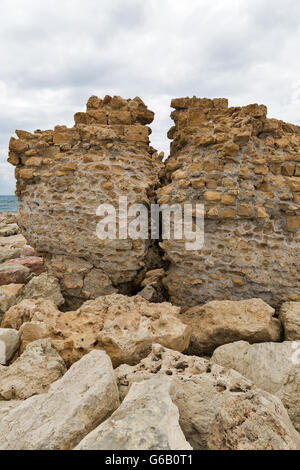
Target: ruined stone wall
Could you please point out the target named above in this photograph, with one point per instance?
(245, 168)
(63, 175)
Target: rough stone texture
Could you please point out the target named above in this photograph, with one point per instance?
(14, 274)
(146, 420)
(7, 230)
(34, 263)
(44, 286)
(152, 286)
(8, 297)
(290, 317)
(125, 327)
(14, 242)
(9, 253)
(32, 373)
(221, 322)
(274, 367)
(253, 421)
(245, 168)
(9, 344)
(74, 406)
(65, 174)
(202, 389)
(7, 406)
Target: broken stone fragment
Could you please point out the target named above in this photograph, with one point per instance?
(290, 317)
(32, 373)
(146, 420)
(220, 322)
(125, 327)
(273, 367)
(74, 405)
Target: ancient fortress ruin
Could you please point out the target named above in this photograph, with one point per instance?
(243, 166)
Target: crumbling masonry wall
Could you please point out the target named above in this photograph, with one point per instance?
(65, 174)
(243, 166)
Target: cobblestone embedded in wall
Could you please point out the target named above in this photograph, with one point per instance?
(65, 174)
(245, 168)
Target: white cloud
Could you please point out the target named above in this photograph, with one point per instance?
(54, 55)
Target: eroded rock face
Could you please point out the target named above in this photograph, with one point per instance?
(14, 274)
(253, 421)
(273, 367)
(125, 327)
(65, 174)
(290, 317)
(74, 405)
(44, 286)
(32, 373)
(221, 322)
(8, 297)
(146, 420)
(203, 389)
(245, 169)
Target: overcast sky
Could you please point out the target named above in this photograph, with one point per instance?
(55, 54)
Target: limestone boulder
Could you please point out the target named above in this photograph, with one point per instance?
(290, 317)
(273, 367)
(146, 420)
(44, 286)
(9, 253)
(253, 421)
(125, 327)
(8, 297)
(14, 274)
(32, 373)
(220, 322)
(7, 406)
(74, 405)
(13, 242)
(34, 263)
(9, 344)
(7, 230)
(202, 389)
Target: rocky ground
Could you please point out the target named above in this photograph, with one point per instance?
(134, 372)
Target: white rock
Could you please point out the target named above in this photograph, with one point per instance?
(202, 389)
(9, 344)
(74, 406)
(146, 420)
(274, 367)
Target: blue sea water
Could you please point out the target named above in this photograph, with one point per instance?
(8, 204)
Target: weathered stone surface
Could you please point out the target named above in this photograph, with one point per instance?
(34, 263)
(64, 174)
(9, 230)
(74, 405)
(44, 286)
(32, 373)
(8, 297)
(9, 344)
(7, 406)
(14, 242)
(202, 389)
(9, 253)
(152, 286)
(273, 367)
(243, 167)
(221, 322)
(13, 274)
(290, 317)
(125, 327)
(253, 421)
(146, 420)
